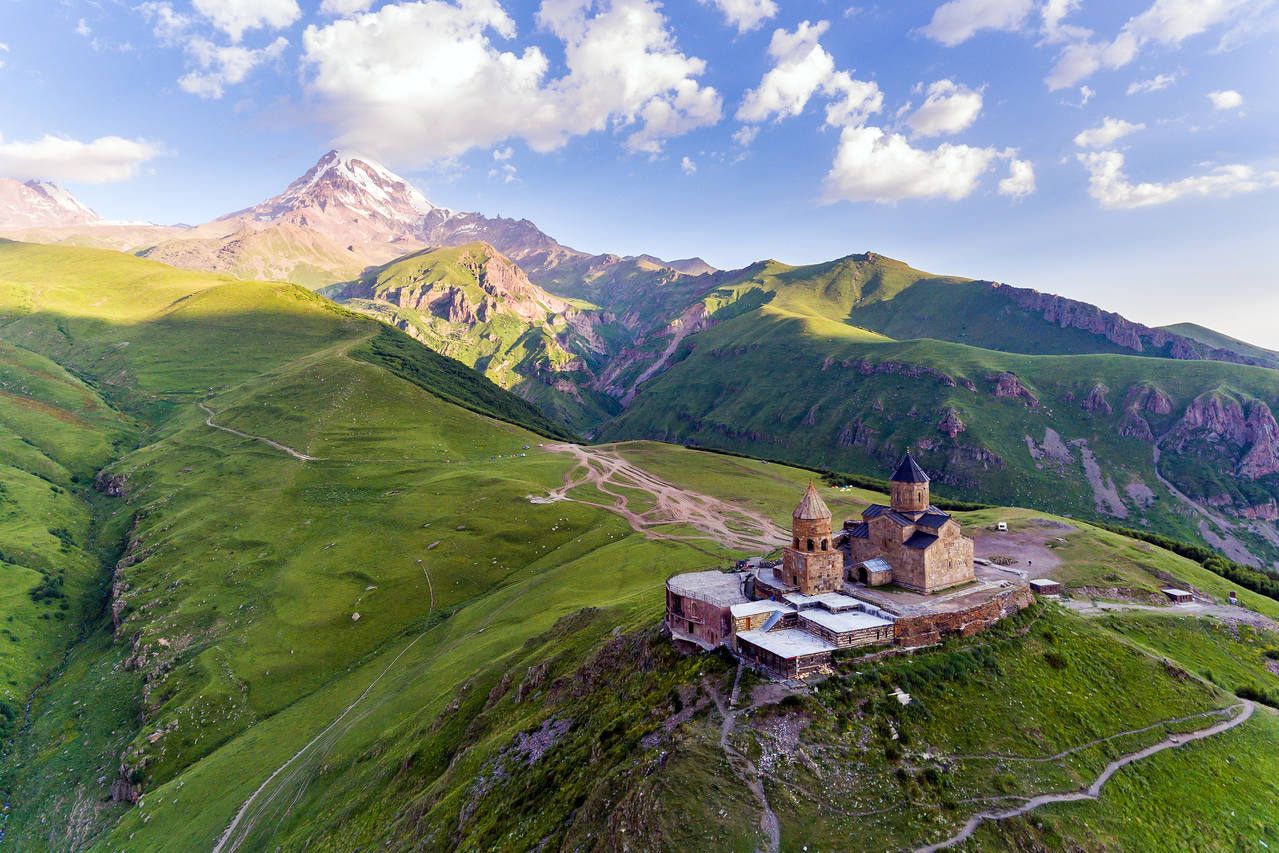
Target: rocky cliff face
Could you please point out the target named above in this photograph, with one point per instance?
(1095, 402)
(1072, 314)
(951, 425)
(1245, 431)
(1009, 385)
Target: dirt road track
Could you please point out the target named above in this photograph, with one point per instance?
(296, 454)
(735, 526)
(1093, 791)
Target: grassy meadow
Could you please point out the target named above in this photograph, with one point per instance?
(387, 643)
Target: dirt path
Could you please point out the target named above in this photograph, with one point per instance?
(1093, 791)
(746, 769)
(240, 828)
(296, 454)
(1224, 612)
(735, 526)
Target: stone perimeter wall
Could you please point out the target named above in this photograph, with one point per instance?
(915, 631)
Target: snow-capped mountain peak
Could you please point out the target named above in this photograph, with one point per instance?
(350, 187)
(40, 204)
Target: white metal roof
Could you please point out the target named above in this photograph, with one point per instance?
(751, 608)
(829, 600)
(849, 620)
(788, 643)
(877, 564)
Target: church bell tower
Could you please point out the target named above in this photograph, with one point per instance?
(811, 562)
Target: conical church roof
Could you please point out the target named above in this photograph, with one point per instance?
(908, 471)
(812, 507)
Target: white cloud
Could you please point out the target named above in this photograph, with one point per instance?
(948, 108)
(168, 25)
(1020, 181)
(744, 136)
(1165, 22)
(959, 20)
(417, 82)
(801, 66)
(746, 15)
(871, 165)
(801, 69)
(1106, 133)
(83, 29)
(344, 7)
(104, 160)
(1155, 84)
(1227, 99)
(1085, 95)
(503, 154)
(235, 17)
(1111, 187)
(1052, 27)
(221, 66)
(688, 166)
(4, 48)
(505, 171)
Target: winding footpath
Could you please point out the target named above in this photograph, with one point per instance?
(296, 454)
(1093, 791)
(746, 769)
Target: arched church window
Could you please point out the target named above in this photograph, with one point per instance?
(824, 544)
(810, 544)
(796, 545)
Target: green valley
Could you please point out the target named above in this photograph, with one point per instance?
(323, 588)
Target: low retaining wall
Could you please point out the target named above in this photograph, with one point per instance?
(914, 631)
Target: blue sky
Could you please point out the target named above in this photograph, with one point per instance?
(730, 129)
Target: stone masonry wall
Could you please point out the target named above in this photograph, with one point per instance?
(915, 631)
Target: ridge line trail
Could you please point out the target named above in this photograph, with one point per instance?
(1093, 791)
(673, 505)
(296, 454)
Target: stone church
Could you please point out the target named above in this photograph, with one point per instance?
(910, 542)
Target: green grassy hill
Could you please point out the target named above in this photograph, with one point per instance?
(1216, 339)
(321, 598)
(843, 365)
(474, 305)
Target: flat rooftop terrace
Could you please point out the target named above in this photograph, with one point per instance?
(721, 589)
(843, 622)
(787, 644)
(989, 583)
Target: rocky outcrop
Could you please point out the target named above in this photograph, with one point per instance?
(1215, 417)
(1118, 330)
(1244, 430)
(857, 434)
(1149, 398)
(1268, 511)
(111, 485)
(890, 367)
(1009, 385)
(1095, 402)
(951, 425)
(1262, 434)
(123, 790)
(1134, 425)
